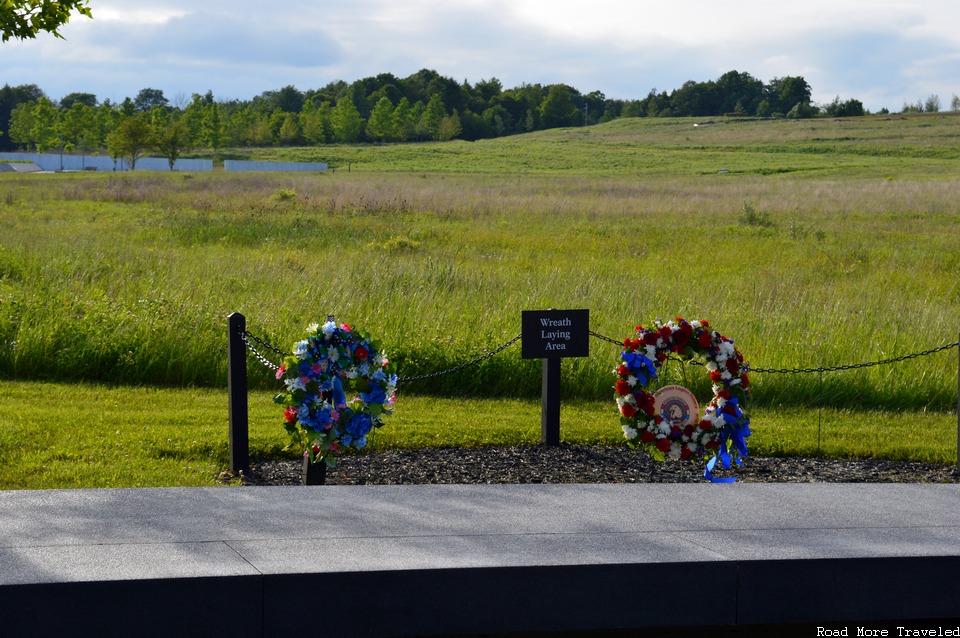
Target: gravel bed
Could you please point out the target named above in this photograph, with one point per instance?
(583, 464)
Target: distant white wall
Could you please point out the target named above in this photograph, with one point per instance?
(56, 162)
(247, 165)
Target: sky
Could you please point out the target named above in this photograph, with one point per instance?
(885, 53)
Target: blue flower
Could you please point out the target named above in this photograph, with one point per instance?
(375, 395)
(356, 430)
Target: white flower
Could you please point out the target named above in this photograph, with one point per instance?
(631, 381)
(675, 449)
(694, 324)
(333, 353)
(312, 328)
(629, 432)
(329, 328)
(710, 366)
(300, 350)
(725, 375)
(651, 352)
(665, 427)
(295, 384)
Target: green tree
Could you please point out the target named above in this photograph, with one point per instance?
(498, 120)
(403, 124)
(290, 129)
(172, 140)
(784, 94)
(733, 88)
(558, 108)
(131, 139)
(67, 101)
(433, 114)
(315, 121)
(212, 128)
(450, 127)
(77, 127)
(346, 122)
(380, 125)
(21, 124)
(148, 99)
(23, 19)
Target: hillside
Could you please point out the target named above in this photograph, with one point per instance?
(868, 146)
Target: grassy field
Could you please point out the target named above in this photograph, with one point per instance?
(810, 243)
(56, 435)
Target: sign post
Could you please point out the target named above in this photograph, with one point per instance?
(550, 335)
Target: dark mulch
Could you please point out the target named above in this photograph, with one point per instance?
(583, 464)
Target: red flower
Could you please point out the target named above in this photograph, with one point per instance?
(628, 410)
(650, 338)
(623, 388)
(645, 402)
(623, 370)
(715, 376)
(688, 431)
(290, 414)
(712, 444)
(647, 436)
(706, 426)
(685, 453)
(361, 353)
(732, 366)
(744, 380)
(681, 338)
(703, 322)
(705, 339)
(663, 445)
(724, 394)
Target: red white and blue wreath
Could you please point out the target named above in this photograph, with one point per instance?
(723, 428)
(332, 361)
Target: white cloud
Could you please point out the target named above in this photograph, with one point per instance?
(883, 52)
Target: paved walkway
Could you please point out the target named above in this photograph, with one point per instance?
(466, 559)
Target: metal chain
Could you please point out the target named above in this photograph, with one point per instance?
(246, 336)
(852, 366)
(462, 365)
(855, 366)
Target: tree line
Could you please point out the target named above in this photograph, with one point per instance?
(384, 108)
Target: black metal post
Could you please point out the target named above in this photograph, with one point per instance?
(237, 391)
(550, 402)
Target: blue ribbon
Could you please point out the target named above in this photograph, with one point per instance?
(708, 473)
(735, 435)
(641, 366)
(339, 398)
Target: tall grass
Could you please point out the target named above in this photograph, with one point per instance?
(129, 278)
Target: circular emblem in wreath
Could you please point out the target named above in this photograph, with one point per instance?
(668, 430)
(676, 405)
(332, 362)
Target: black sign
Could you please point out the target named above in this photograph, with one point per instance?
(550, 334)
